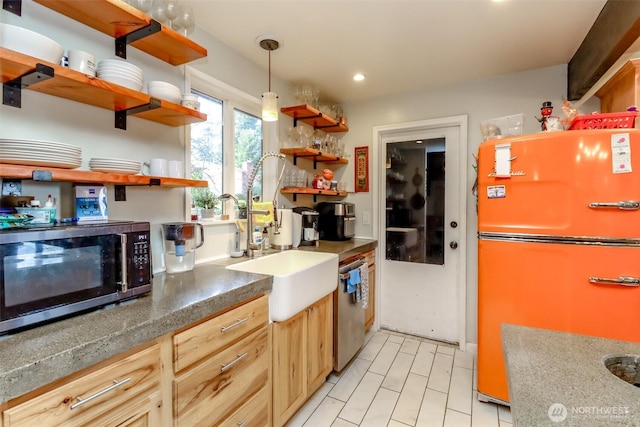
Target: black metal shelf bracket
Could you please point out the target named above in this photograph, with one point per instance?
(12, 90)
(295, 160)
(13, 6)
(122, 41)
(121, 116)
(315, 116)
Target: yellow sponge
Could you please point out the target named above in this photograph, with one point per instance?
(240, 225)
(263, 206)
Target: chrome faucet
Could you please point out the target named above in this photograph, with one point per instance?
(252, 247)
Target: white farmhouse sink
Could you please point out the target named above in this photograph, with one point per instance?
(300, 278)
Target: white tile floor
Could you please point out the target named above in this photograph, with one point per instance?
(398, 381)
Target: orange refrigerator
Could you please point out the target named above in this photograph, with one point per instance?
(558, 240)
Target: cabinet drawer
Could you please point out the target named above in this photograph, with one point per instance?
(254, 413)
(80, 401)
(217, 333)
(210, 391)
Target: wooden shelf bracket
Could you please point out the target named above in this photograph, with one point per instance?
(13, 6)
(121, 115)
(122, 41)
(12, 90)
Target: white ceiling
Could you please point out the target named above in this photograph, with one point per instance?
(400, 45)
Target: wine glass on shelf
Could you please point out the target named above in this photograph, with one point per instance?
(185, 14)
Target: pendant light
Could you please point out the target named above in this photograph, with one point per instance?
(269, 99)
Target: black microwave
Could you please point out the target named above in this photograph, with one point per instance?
(51, 272)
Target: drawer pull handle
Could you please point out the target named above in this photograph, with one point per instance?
(236, 360)
(234, 324)
(622, 281)
(116, 384)
(242, 423)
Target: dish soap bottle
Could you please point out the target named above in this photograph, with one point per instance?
(257, 236)
(265, 239)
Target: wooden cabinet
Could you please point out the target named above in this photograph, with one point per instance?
(215, 372)
(302, 357)
(221, 365)
(622, 90)
(369, 314)
(124, 392)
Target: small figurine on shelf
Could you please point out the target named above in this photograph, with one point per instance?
(547, 121)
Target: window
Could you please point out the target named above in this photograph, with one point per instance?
(224, 149)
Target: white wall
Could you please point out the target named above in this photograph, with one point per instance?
(479, 100)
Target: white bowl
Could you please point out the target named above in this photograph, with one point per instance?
(30, 43)
(169, 86)
(120, 65)
(106, 74)
(189, 97)
(128, 83)
(165, 94)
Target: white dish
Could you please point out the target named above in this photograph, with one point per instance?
(36, 162)
(117, 63)
(30, 43)
(116, 170)
(113, 160)
(103, 74)
(39, 155)
(39, 143)
(128, 83)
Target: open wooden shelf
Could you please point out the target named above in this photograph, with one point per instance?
(76, 86)
(315, 155)
(82, 176)
(313, 192)
(117, 19)
(309, 115)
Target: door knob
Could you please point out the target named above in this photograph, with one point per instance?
(453, 245)
(453, 224)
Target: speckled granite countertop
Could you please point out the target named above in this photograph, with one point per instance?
(38, 356)
(559, 379)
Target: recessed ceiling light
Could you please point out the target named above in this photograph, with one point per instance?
(419, 141)
(358, 77)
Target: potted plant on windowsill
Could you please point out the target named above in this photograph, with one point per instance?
(206, 201)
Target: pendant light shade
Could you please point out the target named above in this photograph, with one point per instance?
(269, 99)
(269, 107)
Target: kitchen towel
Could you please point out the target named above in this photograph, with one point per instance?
(353, 281)
(364, 285)
(263, 206)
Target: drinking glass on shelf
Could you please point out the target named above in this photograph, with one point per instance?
(301, 179)
(185, 14)
(157, 11)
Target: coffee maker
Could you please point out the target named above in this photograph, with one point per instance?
(307, 225)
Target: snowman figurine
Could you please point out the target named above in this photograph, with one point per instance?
(546, 110)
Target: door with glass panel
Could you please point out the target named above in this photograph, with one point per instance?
(419, 274)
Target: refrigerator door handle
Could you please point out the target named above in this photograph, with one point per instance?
(626, 205)
(621, 281)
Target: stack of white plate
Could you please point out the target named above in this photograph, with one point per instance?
(40, 153)
(164, 90)
(121, 72)
(121, 166)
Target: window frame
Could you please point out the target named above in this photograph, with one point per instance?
(232, 99)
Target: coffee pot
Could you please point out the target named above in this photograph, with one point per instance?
(308, 226)
(180, 245)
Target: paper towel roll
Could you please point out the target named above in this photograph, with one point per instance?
(283, 240)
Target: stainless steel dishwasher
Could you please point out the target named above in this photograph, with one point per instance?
(348, 319)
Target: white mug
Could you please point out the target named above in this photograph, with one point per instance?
(175, 169)
(83, 62)
(157, 167)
